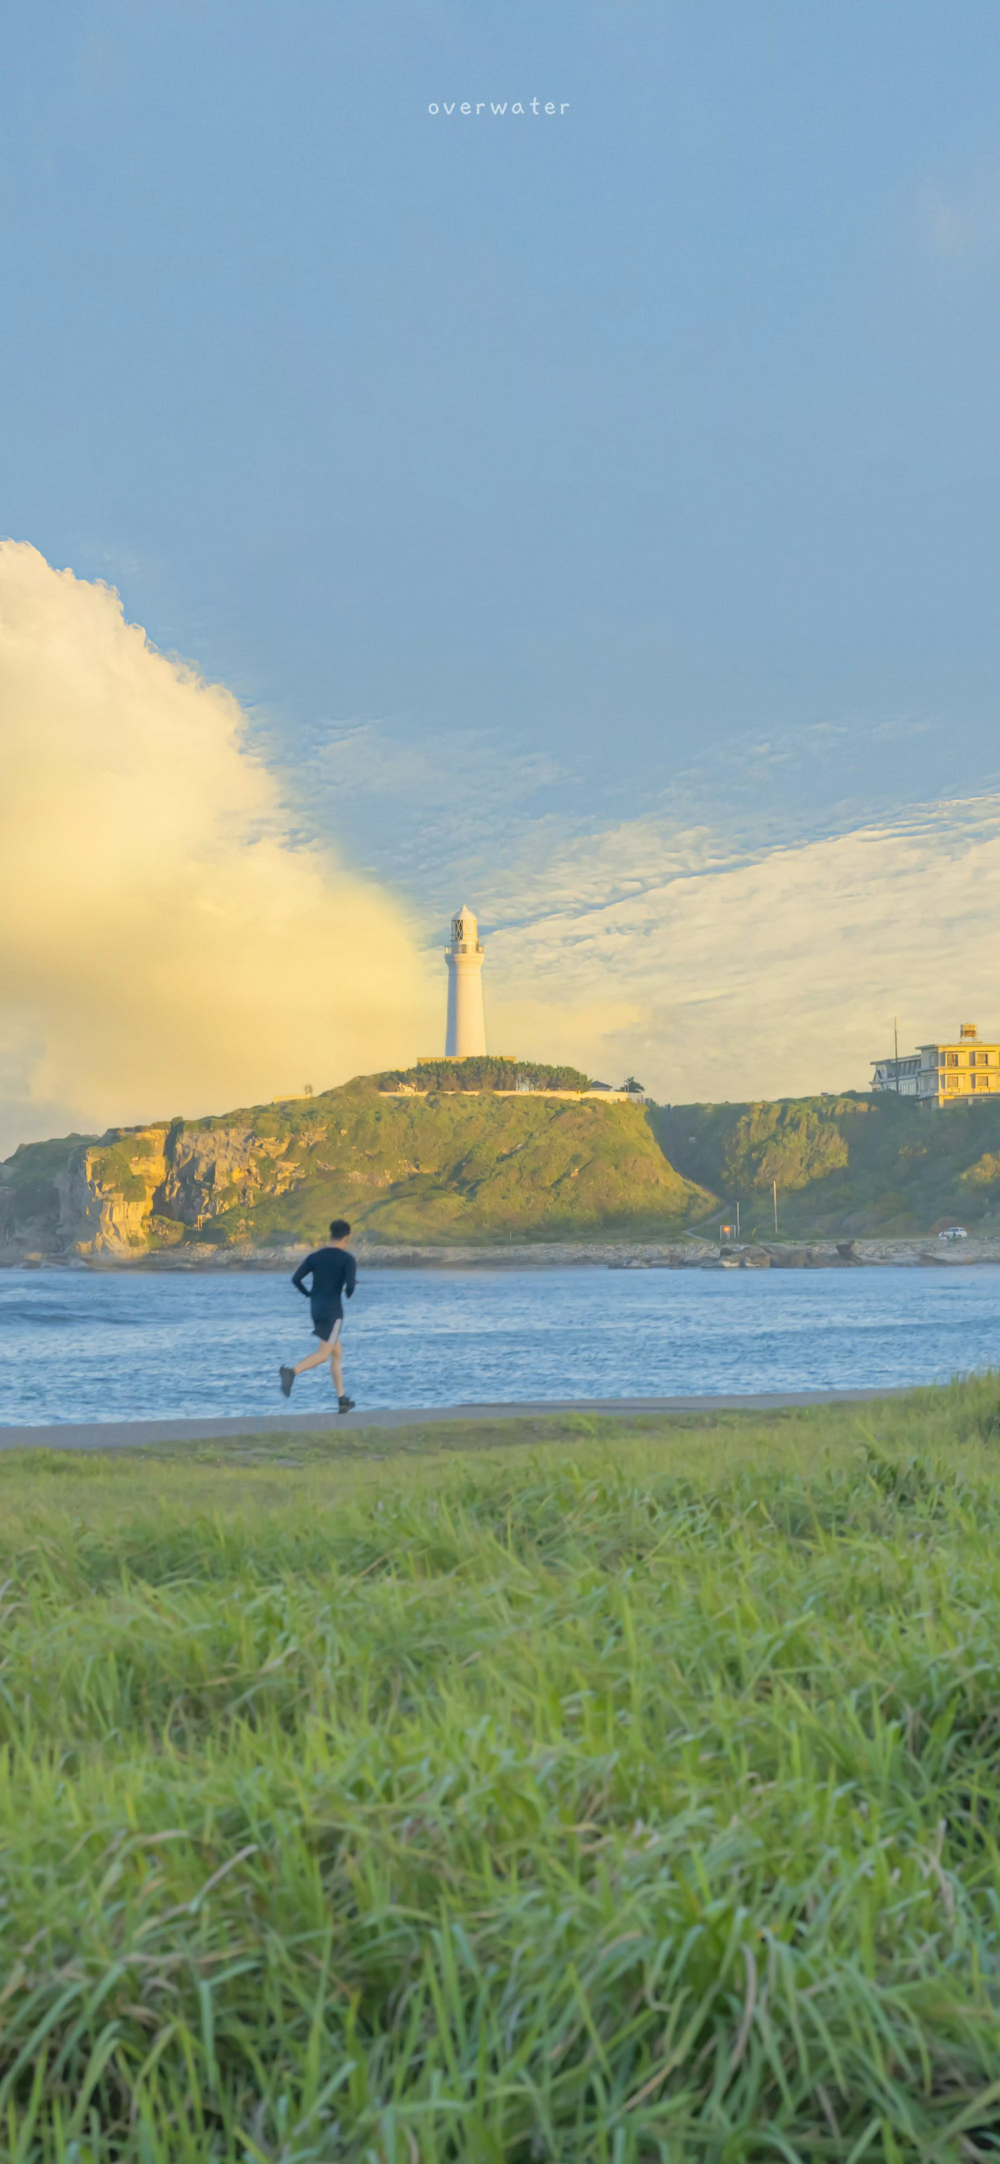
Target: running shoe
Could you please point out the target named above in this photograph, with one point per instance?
(287, 1378)
(345, 1405)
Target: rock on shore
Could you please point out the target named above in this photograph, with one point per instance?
(688, 1254)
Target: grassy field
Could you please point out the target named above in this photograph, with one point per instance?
(586, 1793)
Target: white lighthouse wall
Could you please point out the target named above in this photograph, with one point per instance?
(466, 1033)
(451, 1032)
(470, 1032)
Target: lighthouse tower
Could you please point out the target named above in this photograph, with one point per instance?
(466, 1026)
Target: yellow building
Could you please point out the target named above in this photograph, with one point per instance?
(943, 1074)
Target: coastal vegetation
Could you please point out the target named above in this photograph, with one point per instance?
(483, 1072)
(602, 1794)
(454, 1158)
(867, 1165)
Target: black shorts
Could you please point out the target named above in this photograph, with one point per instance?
(327, 1327)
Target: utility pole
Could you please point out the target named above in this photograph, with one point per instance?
(895, 1044)
(774, 1186)
(737, 1220)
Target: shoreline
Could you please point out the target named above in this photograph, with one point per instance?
(821, 1252)
(133, 1434)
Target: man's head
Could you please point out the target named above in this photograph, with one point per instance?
(339, 1231)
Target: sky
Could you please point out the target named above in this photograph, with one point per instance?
(589, 516)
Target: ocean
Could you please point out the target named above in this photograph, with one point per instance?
(79, 1345)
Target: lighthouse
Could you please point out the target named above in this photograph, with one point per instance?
(466, 1026)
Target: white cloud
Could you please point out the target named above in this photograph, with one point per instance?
(433, 807)
(961, 219)
(443, 813)
(771, 976)
(163, 946)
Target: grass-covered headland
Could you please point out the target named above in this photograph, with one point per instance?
(440, 1155)
(631, 1796)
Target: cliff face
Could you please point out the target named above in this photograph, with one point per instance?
(106, 1193)
(441, 1168)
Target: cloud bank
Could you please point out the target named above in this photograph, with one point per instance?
(447, 812)
(164, 945)
(773, 976)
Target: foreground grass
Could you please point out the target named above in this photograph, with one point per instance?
(633, 1798)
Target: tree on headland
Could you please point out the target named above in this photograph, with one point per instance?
(485, 1072)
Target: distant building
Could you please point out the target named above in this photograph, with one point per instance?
(898, 1075)
(943, 1074)
(466, 1031)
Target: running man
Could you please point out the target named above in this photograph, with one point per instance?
(333, 1272)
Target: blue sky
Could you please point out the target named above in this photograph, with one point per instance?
(524, 477)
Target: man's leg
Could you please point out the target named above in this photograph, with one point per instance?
(344, 1403)
(313, 1360)
(327, 1349)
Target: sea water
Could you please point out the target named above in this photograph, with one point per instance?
(79, 1345)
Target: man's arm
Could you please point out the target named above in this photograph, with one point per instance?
(352, 1276)
(304, 1270)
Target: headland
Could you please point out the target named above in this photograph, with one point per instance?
(447, 1163)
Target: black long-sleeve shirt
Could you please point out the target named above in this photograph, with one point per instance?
(334, 1271)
